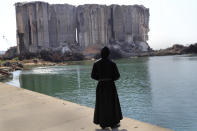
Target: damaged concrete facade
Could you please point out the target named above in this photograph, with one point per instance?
(43, 26)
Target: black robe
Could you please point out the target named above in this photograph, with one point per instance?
(107, 108)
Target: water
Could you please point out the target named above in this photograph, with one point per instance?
(157, 90)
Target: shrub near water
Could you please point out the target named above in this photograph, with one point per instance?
(191, 49)
(1, 61)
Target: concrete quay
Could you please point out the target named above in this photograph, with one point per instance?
(24, 110)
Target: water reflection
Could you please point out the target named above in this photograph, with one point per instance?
(78, 76)
(173, 81)
(67, 82)
(134, 88)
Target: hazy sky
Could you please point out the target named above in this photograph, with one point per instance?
(171, 21)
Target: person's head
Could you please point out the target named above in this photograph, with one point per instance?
(105, 52)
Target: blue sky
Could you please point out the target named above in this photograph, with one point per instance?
(171, 21)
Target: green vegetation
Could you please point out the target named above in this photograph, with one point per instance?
(1, 61)
(12, 60)
(16, 59)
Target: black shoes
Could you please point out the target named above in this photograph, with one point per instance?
(115, 126)
(103, 127)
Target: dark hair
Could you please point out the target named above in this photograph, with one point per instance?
(105, 52)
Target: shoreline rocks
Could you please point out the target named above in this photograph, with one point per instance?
(176, 49)
(93, 51)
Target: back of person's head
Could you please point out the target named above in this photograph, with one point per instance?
(105, 52)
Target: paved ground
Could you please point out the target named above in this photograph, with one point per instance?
(24, 110)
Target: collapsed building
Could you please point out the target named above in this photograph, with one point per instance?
(43, 26)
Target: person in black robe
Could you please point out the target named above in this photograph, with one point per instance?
(107, 111)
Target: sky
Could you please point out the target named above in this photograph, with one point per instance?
(171, 21)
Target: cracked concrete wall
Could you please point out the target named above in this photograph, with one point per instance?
(130, 23)
(32, 26)
(62, 24)
(93, 24)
